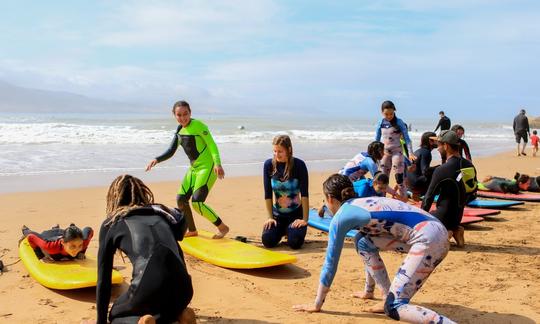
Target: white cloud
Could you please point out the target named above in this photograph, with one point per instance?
(187, 23)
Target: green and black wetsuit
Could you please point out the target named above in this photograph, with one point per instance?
(203, 155)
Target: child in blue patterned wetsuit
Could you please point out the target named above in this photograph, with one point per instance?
(385, 224)
(286, 178)
(390, 130)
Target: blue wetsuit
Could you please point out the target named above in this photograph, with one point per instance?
(364, 188)
(388, 224)
(359, 165)
(390, 133)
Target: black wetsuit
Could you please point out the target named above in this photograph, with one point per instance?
(160, 285)
(464, 150)
(420, 178)
(521, 128)
(452, 195)
(444, 124)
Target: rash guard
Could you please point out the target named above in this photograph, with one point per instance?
(391, 135)
(287, 192)
(197, 142)
(43, 246)
(358, 166)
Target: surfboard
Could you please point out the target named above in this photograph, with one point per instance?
(475, 212)
(471, 219)
(323, 223)
(486, 193)
(232, 254)
(63, 275)
(496, 204)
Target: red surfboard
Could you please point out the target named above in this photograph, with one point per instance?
(509, 196)
(474, 212)
(471, 219)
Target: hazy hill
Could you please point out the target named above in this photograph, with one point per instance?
(27, 100)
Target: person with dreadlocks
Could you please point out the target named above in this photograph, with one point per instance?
(147, 233)
(390, 130)
(286, 178)
(199, 146)
(57, 244)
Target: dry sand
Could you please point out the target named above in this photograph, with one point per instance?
(494, 279)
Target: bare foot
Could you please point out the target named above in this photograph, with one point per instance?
(459, 236)
(223, 230)
(194, 233)
(377, 308)
(147, 319)
(187, 317)
(363, 295)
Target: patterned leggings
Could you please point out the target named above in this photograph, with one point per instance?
(429, 247)
(392, 160)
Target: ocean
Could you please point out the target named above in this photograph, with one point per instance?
(51, 151)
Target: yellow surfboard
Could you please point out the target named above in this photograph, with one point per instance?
(62, 274)
(233, 254)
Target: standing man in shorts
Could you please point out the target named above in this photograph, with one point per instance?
(521, 130)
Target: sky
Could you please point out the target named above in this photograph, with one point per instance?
(470, 58)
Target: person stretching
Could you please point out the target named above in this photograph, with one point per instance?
(385, 224)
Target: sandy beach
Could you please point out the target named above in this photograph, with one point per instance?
(494, 279)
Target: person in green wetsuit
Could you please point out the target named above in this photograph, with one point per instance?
(199, 146)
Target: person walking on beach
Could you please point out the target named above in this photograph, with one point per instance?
(199, 146)
(385, 224)
(148, 233)
(454, 182)
(286, 178)
(521, 131)
(390, 130)
(444, 122)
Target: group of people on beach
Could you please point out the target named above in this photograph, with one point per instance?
(148, 232)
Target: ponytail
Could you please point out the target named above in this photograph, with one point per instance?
(340, 187)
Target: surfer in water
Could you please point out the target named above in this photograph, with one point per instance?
(199, 146)
(285, 177)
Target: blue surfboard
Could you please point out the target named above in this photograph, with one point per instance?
(495, 204)
(323, 223)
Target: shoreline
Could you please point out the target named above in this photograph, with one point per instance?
(495, 279)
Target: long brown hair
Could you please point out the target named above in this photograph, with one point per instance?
(126, 193)
(285, 142)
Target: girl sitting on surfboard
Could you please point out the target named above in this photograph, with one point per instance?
(147, 233)
(385, 224)
(59, 244)
(286, 178)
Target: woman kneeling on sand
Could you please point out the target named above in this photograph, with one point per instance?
(385, 224)
(147, 233)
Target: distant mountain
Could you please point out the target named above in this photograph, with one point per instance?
(27, 100)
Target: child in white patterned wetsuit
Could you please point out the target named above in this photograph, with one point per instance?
(390, 129)
(385, 224)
